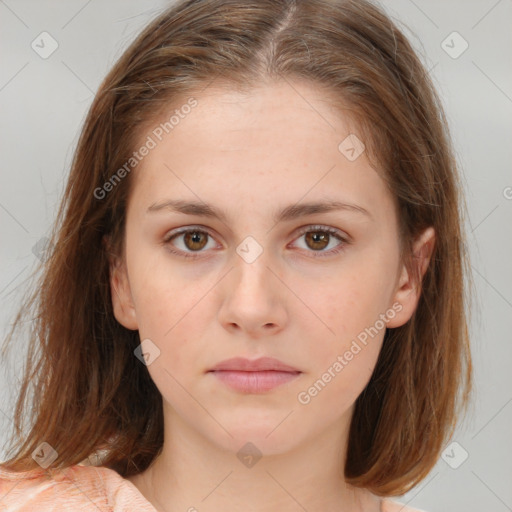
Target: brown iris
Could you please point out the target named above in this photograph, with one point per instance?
(194, 238)
(317, 237)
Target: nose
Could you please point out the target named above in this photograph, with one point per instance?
(253, 298)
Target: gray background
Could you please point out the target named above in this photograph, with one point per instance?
(44, 102)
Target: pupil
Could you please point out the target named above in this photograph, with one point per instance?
(318, 237)
(194, 238)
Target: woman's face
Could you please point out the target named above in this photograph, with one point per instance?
(269, 276)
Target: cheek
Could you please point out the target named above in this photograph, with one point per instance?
(170, 314)
(339, 377)
(174, 320)
(174, 312)
(162, 293)
(352, 306)
(353, 302)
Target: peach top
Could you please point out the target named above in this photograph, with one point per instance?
(83, 488)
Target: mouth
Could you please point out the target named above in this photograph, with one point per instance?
(257, 376)
(254, 382)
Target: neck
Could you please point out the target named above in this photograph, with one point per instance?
(192, 473)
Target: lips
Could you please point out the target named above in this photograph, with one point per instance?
(258, 376)
(258, 365)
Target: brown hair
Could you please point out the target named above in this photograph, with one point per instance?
(89, 390)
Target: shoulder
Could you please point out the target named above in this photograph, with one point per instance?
(389, 505)
(77, 487)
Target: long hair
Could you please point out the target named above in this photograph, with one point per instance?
(90, 394)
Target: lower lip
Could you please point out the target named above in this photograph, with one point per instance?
(254, 382)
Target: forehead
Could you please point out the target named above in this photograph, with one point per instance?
(279, 141)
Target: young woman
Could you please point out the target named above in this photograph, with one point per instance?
(256, 294)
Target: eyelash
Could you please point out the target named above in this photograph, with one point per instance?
(315, 228)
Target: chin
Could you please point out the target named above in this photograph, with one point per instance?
(258, 440)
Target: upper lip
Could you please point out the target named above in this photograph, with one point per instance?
(255, 365)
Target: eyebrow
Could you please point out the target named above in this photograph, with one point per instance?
(286, 214)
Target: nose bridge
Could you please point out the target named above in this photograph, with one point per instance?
(252, 262)
(252, 299)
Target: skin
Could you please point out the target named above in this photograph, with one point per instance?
(248, 155)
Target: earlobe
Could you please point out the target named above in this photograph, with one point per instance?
(408, 289)
(122, 302)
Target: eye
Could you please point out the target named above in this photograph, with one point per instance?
(193, 240)
(319, 237)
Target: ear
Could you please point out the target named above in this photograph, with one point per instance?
(122, 302)
(408, 289)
